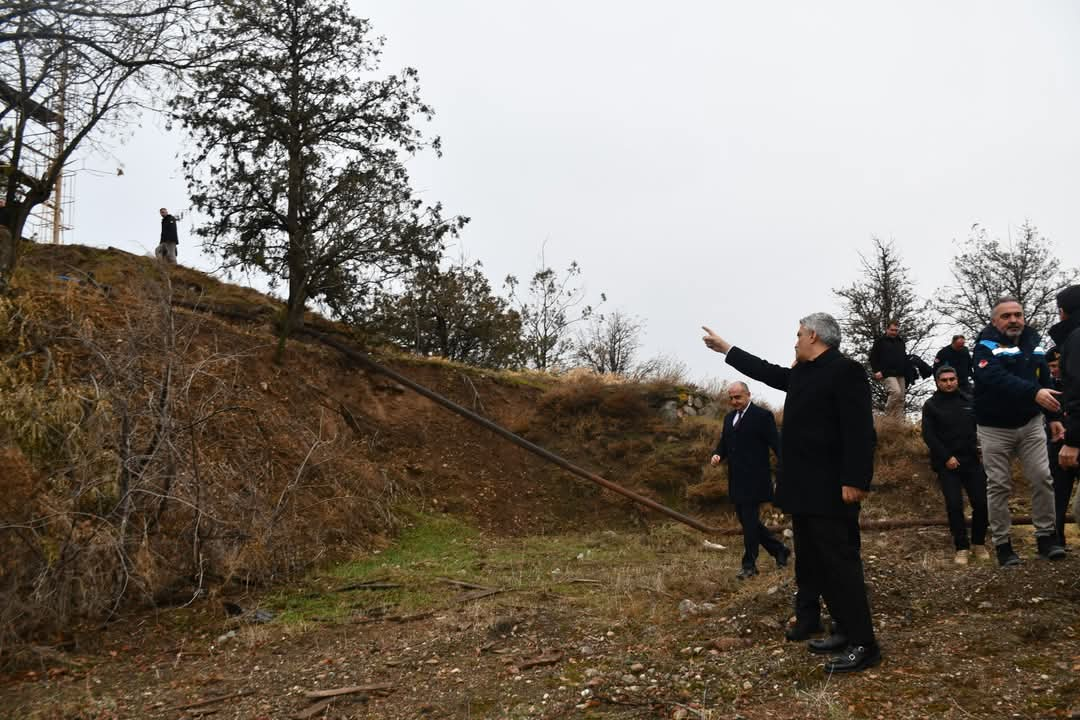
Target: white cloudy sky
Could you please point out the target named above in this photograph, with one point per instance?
(713, 163)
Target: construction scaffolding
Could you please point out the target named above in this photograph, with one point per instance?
(49, 221)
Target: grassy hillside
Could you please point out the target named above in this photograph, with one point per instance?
(152, 453)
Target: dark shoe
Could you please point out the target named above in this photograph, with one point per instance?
(803, 630)
(1048, 547)
(1005, 555)
(782, 557)
(854, 659)
(827, 644)
(746, 573)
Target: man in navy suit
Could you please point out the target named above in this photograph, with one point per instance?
(749, 433)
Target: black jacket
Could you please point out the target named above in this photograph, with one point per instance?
(958, 360)
(948, 428)
(1007, 377)
(828, 439)
(168, 230)
(746, 448)
(1066, 336)
(888, 356)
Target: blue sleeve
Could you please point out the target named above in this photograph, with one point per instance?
(989, 371)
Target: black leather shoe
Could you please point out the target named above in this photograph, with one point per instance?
(828, 644)
(1049, 548)
(782, 557)
(746, 573)
(854, 659)
(1006, 557)
(803, 630)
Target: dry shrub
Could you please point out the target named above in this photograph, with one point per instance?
(143, 460)
(620, 402)
(901, 465)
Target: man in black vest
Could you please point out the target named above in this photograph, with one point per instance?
(827, 453)
(749, 433)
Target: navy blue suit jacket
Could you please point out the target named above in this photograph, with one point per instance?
(746, 449)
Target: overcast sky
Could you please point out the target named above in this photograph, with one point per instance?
(714, 163)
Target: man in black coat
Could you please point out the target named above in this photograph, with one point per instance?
(948, 428)
(1064, 478)
(166, 249)
(889, 363)
(958, 357)
(1066, 337)
(827, 452)
(749, 433)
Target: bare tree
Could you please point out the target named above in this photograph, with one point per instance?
(883, 294)
(554, 304)
(610, 343)
(71, 73)
(985, 270)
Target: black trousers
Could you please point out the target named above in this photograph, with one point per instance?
(808, 596)
(1064, 479)
(970, 478)
(828, 558)
(754, 533)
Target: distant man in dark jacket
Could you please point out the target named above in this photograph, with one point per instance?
(1012, 393)
(889, 363)
(749, 433)
(166, 249)
(827, 452)
(1066, 336)
(958, 357)
(948, 427)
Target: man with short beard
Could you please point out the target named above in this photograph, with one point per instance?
(1012, 392)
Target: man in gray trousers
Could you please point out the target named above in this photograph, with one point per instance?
(1013, 391)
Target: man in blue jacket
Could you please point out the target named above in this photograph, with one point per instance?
(1012, 393)
(749, 433)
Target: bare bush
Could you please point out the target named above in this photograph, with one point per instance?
(142, 467)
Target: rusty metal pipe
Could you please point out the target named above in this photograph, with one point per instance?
(504, 433)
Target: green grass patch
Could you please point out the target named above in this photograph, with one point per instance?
(432, 547)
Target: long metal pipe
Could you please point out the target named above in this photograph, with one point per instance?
(363, 359)
(503, 432)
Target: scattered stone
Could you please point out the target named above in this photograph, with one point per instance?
(688, 607)
(637, 667)
(725, 644)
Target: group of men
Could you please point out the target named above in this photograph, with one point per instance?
(826, 454)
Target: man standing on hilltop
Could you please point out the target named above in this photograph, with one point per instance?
(166, 249)
(749, 432)
(889, 363)
(1012, 392)
(1066, 336)
(827, 452)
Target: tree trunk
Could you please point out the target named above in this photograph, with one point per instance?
(10, 237)
(294, 315)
